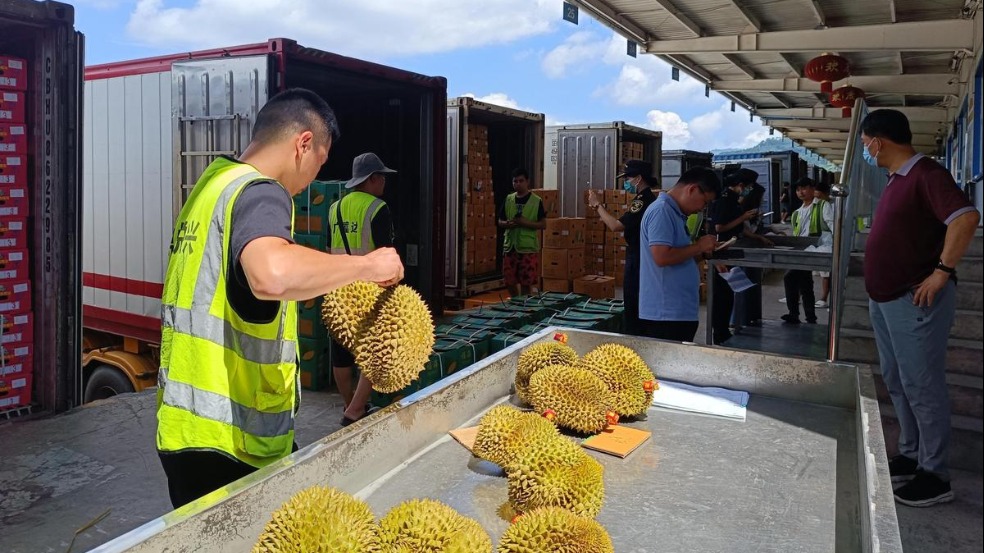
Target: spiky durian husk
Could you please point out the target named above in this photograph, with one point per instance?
(539, 356)
(398, 340)
(555, 530)
(504, 430)
(429, 526)
(625, 373)
(579, 399)
(345, 311)
(320, 520)
(558, 473)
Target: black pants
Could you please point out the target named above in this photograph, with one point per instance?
(677, 331)
(630, 295)
(753, 297)
(800, 283)
(195, 474)
(724, 302)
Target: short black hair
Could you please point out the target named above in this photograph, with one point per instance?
(296, 110)
(890, 124)
(805, 182)
(706, 179)
(520, 172)
(823, 187)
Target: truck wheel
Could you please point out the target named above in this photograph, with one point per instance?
(106, 382)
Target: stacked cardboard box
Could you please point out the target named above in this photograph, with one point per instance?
(311, 229)
(481, 232)
(632, 150)
(16, 316)
(605, 250)
(562, 259)
(551, 202)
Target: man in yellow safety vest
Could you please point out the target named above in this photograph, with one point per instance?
(522, 215)
(228, 381)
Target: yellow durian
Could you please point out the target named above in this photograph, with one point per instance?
(320, 520)
(539, 356)
(429, 526)
(576, 398)
(555, 530)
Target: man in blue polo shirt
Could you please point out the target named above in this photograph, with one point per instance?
(669, 281)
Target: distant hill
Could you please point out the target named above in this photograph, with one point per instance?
(779, 144)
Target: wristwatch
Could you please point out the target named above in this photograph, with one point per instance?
(945, 269)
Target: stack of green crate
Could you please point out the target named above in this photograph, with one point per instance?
(311, 230)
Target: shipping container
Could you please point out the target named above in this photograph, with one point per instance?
(40, 170)
(791, 169)
(485, 143)
(579, 157)
(770, 173)
(677, 162)
(153, 125)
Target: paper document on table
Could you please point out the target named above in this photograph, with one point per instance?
(737, 279)
(701, 399)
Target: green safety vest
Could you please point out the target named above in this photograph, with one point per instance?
(817, 225)
(358, 210)
(522, 240)
(224, 384)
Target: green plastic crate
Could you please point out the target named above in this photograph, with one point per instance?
(312, 204)
(314, 241)
(309, 324)
(315, 363)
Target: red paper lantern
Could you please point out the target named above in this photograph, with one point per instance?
(844, 97)
(826, 69)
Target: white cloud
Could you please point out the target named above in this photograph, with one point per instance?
(573, 53)
(676, 131)
(711, 130)
(497, 98)
(366, 28)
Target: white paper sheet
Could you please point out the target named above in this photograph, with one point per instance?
(737, 279)
(701, 399)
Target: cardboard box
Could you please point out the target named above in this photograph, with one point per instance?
(551, 201)
(561, 263)
(13, 138)
(13, 233)
(13, 202)
(616, 196)
(17, 328)
(594, 250)
(559, 285)
(15, 297)
(609, 266)
(12, 107)
(13, 170)
(558, 233)
(13, 73)
(15, 391)
(595, 237)
(15, 265)
(598, 287)
(595, 224)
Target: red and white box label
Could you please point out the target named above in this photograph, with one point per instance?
(15, 391)
(13, 234)
(15, 265)
(13, 202)
(17, 328)
(13, 73)
(15, 297)
(12, 107)
(13, 170)
(13, 138)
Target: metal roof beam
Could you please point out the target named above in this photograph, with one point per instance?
(924, 85)
(741, 66)
(606, 14)
(920, 114)
(839, 124)
(748, 16)
(891, 11)
(818, 11)
(680, 18)
(782, 102)
(922, 36)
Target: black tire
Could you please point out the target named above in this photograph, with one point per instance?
(106, 382)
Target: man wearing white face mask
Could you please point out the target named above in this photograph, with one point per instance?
(921, 229)
(639, 181)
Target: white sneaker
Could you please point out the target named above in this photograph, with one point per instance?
(821, 304)
(782, 300)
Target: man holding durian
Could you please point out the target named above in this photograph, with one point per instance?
(228, 381)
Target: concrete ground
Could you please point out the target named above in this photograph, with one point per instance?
(58, 474)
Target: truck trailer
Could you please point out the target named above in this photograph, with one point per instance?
(40, 207)
(485, 143)
(579, 157)
(677, 162)
(152, 125)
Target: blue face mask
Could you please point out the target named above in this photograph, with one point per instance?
(868, 158)
(629, 187)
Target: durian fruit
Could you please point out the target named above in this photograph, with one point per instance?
(578, 399)
(397, 341)
(504, 430)
(555, 530)
(539, 356)
(558, 473)
(346, 310)
(625, 374)
(429, 526)
(320, 520)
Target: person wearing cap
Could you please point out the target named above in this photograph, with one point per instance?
(521, 215)
(639, 180)
(748, 304)
(808, 220)
(360, 223)
(728, 220)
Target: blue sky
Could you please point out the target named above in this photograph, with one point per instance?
(518, 53)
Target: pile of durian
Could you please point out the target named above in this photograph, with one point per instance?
(325, 520)
(587, 394)
(389, 331)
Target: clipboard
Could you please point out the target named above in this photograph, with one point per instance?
(617, 440)
(723, 245)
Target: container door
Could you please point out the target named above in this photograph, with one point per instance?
(587, 160)
(453, 257)
(214, 106)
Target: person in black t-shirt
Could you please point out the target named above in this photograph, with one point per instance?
(639, 180)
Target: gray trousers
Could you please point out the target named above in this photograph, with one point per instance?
(912, 349)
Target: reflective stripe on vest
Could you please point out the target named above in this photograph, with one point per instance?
(522, 240)
(817, 224)
(360, 239)
(225, 384)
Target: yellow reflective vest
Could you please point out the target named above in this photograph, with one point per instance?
(817, 225)
(358, 209)
(224, 384)
(522, 240)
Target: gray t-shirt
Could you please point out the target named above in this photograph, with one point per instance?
(262, 209)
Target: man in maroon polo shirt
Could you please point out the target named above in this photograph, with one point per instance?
(921, 229)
